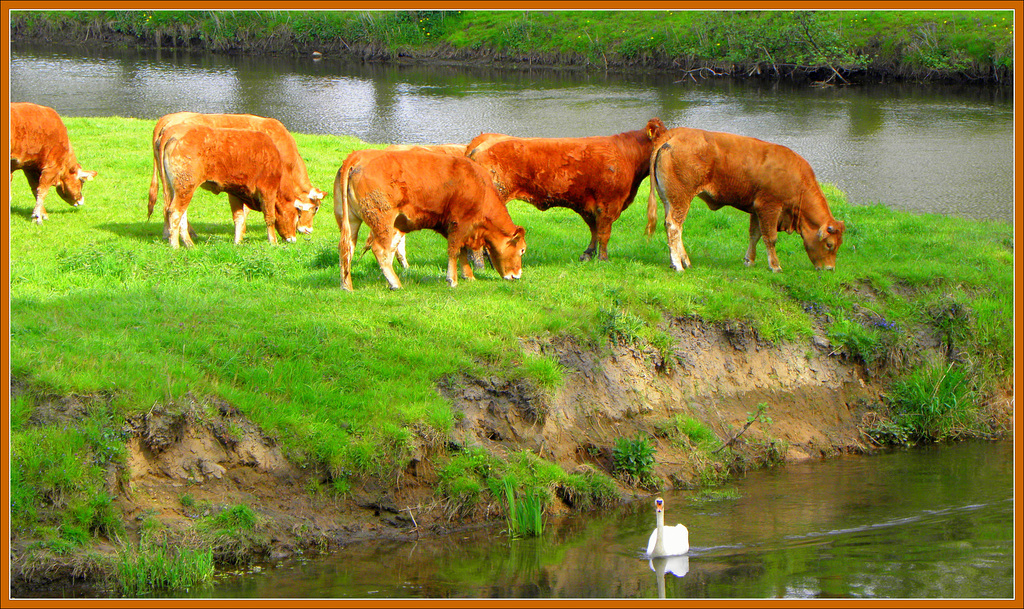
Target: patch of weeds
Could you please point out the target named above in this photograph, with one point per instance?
(633, 461)
(620, 326)
(935, 403)
(588, 488)
(233, 533)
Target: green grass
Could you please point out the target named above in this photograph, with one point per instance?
(100, 305)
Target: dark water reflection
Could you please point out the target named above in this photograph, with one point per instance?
(946, 150)
(925, 523)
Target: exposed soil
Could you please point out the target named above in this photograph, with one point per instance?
(193, 458)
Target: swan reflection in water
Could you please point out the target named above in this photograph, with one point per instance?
(676, 565)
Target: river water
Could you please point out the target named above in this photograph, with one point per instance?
(933, 522)
(923, 523)
(945, 150)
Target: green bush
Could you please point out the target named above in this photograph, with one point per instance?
(633, 460)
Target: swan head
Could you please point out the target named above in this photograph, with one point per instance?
(659, 505)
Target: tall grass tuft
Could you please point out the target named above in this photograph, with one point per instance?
(147, 569)
(525, 516)
(935, 403)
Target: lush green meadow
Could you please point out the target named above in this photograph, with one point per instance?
(347, 381)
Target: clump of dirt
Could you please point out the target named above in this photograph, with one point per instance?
(192, 459)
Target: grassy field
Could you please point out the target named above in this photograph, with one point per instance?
(100, 304)
(914, 44)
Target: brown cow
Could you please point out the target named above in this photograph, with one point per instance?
(41, 149)
(396, 192)
(285, 145)
(245, 164)
(597, 177)
(775, 185)
(450, 149)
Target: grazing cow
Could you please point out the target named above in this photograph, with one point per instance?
(286, 146)
(773, 184)
(245, 164)
(597, 177)
(41, 149)
(396, 192)
(476, 257)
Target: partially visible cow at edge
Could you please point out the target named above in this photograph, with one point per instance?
(396, 192)
(245, 164)
(277, 132)
(597, 177)
(773, 184)
(41, 149)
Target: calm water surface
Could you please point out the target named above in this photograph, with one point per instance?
(924, 523)
(922, 149)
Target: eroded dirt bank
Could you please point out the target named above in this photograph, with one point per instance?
(184, 464)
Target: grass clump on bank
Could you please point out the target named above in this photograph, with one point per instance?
(347, 382)
(968, 45)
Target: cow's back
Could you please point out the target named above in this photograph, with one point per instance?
(38, 136)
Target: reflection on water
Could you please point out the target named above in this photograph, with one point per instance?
(924, 149)
(924, 523)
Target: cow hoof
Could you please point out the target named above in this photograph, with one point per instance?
(37, 219)
(585, 256)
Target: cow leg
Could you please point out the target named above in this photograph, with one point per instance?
(755, 236)
(464, 263)
(588, 253)
(477, 258)
(400, 250)
(385, 257)
(769, 232)
(38, 212)
(238, 214)
(675, 215)
(604, 233)
(178, 205)
(270, 216)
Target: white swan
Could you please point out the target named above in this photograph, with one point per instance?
(667, 541)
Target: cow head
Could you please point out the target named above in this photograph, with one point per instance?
(286, 218)
(822, 244)
(506, 253)
(70, 185)
(655, 129)
(307, 206)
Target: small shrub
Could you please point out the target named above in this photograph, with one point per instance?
(633, 460)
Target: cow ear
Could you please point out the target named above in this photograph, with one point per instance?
(315, 194)
(517, 236)
(86, 175)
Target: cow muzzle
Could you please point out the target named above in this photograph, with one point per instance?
(290, 239)
(513, 276)
(306, 230)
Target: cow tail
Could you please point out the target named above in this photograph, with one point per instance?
(652, 201)
(341, 210)
(153, 186)
(168, 174)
